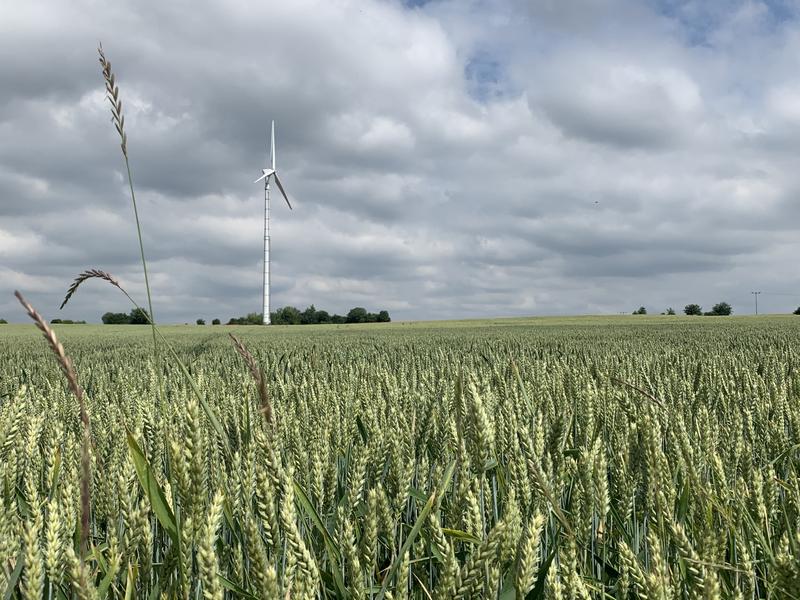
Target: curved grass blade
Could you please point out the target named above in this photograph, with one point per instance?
(330, 545)
(239, 591)
(152, 489)
(435, 499)
(15, 575)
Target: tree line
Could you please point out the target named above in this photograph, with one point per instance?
(137, 316)
(290, 315)
(721, 309)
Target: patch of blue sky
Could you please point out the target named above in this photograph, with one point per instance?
(485, 77)
(699, 19)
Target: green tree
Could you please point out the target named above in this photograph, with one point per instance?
(670, 311)
(200, 322)
(309, 316)
(3, 322)
(383, 317)
(110, 318)
(250, 319)
(357, 315)
(322, 316)
(288, 315)
(722, 309)
(338, 320)
(640, 311)
(215, 322)
(797, 312)
(693, 309)
(139, 317)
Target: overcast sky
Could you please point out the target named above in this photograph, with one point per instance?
(445, 159)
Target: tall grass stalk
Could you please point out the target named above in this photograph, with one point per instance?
(118, 118)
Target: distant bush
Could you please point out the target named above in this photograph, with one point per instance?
(116, 319)
(360, 315)
(4, 322)
(250, 319)
(640, 311)
(215, 322)
(722, 309)
(693, 309)
(670, 311)
(288, 315)
(66, 322)
(137, 316)
(200, 322)
(797, 312)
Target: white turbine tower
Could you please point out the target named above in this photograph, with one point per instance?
(266, 175)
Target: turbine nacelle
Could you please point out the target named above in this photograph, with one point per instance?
(265, 173)
(272, 172)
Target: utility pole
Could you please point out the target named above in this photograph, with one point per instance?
(755, 295)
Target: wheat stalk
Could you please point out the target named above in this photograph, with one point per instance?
(89, 274)
(112, 93)
(66, 367)
(258, 376)
(63, 360)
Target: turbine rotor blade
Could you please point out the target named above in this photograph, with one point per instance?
(280, 187)
(264, 176)
(269, 154)
(273, 146)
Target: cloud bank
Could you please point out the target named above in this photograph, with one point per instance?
(445, 159)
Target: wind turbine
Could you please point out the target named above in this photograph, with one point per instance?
(266, 175)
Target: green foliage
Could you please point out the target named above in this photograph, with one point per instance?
(289, 315)
(110, 318)
(721, 309)
(250, 319)
(200, 322)
(360, 315)
(139, 317)
(640, 311)
(357, 315)
(693, 309)
(66, 322)
(670, 311)
(797, 312)
(309, 316)
(215, 322)
(3, 322)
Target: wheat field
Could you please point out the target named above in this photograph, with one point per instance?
(582, 458)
